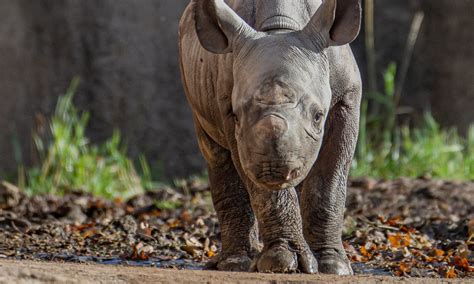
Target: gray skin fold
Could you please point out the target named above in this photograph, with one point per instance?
(275, 93)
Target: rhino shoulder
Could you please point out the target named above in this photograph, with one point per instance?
(346, 82)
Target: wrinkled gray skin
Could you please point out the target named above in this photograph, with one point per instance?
(275, 93)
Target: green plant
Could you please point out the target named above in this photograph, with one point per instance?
(388, 148)
(70, 162)
(167, 204)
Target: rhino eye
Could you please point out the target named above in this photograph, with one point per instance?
(318, 117)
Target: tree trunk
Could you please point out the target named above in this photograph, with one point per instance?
(448, 50)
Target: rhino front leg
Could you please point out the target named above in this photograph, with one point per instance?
(324, 191)
(237, 222)
(280, 226)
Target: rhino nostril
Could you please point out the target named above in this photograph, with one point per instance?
(293, 174)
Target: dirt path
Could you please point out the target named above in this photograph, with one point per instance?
(411, 228)
(49, 272)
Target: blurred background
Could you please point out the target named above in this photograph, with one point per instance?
(416, 57)
(99, 160)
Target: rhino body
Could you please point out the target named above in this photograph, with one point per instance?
(275, 93)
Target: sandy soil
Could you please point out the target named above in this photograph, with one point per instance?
(48, 272)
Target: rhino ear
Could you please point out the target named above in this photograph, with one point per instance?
(336, 21)
(218, 27)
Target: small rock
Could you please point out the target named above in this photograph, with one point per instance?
(10, 195)
(129, 225)
(75, 215)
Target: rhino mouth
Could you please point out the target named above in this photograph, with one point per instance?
(276, 175)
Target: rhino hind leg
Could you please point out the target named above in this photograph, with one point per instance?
(239, 233)
(323, 196)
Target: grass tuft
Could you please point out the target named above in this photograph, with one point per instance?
(70, 162)
(388, 148)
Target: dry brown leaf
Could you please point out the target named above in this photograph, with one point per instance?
(408, 230)
(438, 252)
(395, 240)
(118, 201)
(187, 217)
(89, 233)
(210, 253)
(404, 267)
(394, 221)
(174, 223)
(462, 263)
(192, 250)
(451, 273)
(470, 231)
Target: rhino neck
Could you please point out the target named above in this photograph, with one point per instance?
(284, 14)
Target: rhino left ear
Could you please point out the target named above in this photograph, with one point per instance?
(336, 21)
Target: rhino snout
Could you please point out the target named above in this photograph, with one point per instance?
(271, 127)
(275, 176)
(272, 179)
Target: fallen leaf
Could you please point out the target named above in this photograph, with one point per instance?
(118, 201)
(395, 240)
(462, 263)
(394, 221)
(192, 250)
(438, 252)
(404, 267)
(451, 273)
(408, 229)
(210, 253)
(89, 233)
(470, 230)
(174, 223)
(186, 217)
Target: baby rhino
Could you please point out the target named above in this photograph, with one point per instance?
(275, 93)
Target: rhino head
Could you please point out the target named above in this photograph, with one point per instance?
(281, 93)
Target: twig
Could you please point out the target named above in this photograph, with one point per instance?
(370, 46)
(407, 55)
(377, 225)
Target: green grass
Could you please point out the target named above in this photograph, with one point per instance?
(70, 162)
(388, 148)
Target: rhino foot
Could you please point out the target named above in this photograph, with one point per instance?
(332, 261)
(281, 259)
(238, 263)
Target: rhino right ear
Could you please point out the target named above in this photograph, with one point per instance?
(218, 27)
(336, 21)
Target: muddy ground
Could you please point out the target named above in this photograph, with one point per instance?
(402, 228)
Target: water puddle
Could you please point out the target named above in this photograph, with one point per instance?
(359, 268)
(177, 264)
(362, 268)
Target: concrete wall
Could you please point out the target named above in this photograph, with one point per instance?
(126, 53)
